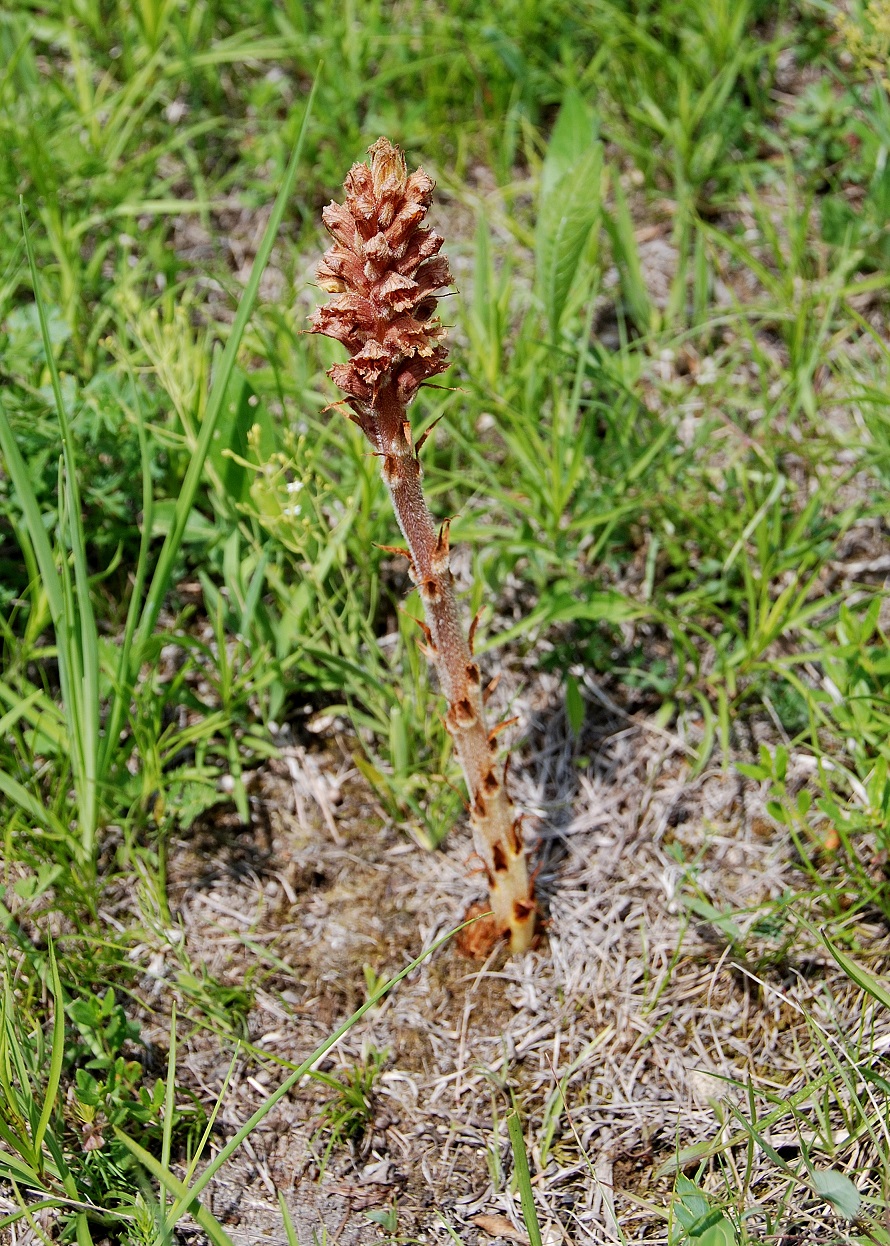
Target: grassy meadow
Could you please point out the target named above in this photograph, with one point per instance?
(665, 443)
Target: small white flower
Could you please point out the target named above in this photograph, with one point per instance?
(291, 510)
(294, 486)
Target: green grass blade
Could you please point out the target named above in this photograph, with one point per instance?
(80, 638)
(523, 1178)
(30, 805)
(27, 499)
(14, 1169)
(82, 1234)
(119, 702)
(169, 1107)
(161, 578)
(626, 252)
(292, 1239)
(863, 979)
(56, 1054)
(204, 1218)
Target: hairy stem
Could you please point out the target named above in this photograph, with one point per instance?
(496, 826)
(385, 270)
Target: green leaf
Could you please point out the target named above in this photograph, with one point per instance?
(720, 1234)
(723, 921)
(857, 974)
(14, 1169)
(752, 772)
(574, 131)
(57, 1052)
(839, 1191)
(563, 233)
(30, 805)
(608, 606)
(76, 634)
(198, 528)
(523, 1178)
(289, 1229)
(569, 204)
(205, 1219)
(692, 1204)
(634, 290)
(574, 705)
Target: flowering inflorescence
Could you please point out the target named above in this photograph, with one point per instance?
(385, 270)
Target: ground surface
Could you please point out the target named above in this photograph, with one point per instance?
(637, 1010)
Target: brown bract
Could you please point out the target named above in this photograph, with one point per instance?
(385, 271)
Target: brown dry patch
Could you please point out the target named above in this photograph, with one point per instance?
(654, 1021)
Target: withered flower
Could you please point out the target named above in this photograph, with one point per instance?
(385, 272)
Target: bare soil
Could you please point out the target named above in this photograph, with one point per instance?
(635, 1007)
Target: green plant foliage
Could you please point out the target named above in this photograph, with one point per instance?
(62, 1143)
(664, 442)
(345, 1117)
(696, 1220)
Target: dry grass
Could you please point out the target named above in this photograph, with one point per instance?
(659, 1032)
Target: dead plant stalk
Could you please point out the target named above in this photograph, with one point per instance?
(385, 271)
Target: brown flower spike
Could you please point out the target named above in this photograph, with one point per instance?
(385, 271)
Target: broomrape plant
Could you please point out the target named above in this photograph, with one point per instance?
(385, 271)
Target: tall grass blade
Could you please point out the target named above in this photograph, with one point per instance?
(170, 549)
(122, 685)
(523, 1178)
(162, 1173)
(627, 259)
(863, 979)
(292, 1239)
(69, 603)
(57, 1053)
(169, 1108)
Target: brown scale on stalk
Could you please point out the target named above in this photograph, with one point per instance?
(385, 272)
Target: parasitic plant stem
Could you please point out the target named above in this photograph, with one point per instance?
(385, 271)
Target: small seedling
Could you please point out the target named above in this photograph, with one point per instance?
(385, 271)
(387, 1219)
(346, 1116)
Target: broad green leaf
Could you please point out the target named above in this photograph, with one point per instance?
(720, 1234)
(198, 528)
(574, 132)
(564, 226)
(569, 203)
(839, 1191)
